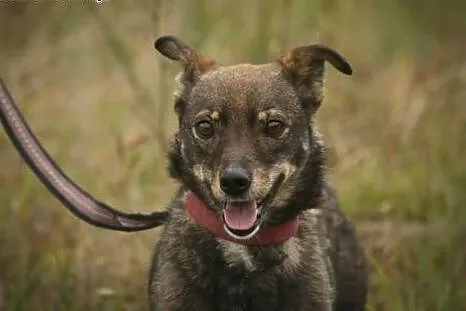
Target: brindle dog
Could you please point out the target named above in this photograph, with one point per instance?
(255, 224)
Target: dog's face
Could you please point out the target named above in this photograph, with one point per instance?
(246, 143)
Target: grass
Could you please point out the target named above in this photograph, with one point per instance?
(98, 96)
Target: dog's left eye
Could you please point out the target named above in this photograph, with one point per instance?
(274, 128)
(204, 129)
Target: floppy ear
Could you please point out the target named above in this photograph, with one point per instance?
(194, 63)
(305, 66)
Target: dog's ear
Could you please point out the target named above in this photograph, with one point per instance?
(194, 64)
(305, 67)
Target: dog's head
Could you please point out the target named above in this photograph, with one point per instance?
(246, 143)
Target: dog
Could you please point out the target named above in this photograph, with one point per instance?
(255, 224)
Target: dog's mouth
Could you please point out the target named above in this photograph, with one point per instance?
(241, 219)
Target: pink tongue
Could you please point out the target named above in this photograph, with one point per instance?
(240, 215)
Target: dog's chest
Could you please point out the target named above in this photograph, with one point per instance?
(257, 279)
(286, 257)
(236, 255)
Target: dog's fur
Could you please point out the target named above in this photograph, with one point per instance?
(261, 116)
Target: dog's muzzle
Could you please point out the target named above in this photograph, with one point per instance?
(242, 218)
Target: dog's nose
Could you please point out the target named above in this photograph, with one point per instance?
(235, 180)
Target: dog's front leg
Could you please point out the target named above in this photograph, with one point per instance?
(169, 290)
(319, 265)
(178, 300)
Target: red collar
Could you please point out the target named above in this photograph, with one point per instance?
(212, 221)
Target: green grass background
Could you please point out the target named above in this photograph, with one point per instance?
(88, 80)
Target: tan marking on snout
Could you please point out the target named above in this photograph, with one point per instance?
(261, 182)
(202, 172)
(265, 178)
(215, 185)
(236, 254)
(285, 168)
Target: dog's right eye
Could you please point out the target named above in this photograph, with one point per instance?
(204, 129)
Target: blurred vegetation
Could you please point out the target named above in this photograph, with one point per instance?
(89, 82)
